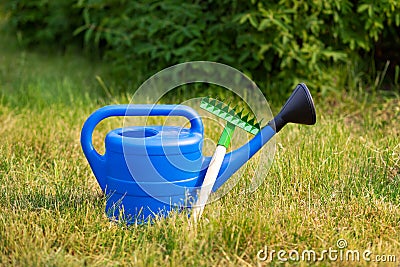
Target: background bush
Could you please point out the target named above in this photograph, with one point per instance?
(276, 43)
(45, 22)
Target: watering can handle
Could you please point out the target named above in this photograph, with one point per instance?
(196, 125)
(95, 159)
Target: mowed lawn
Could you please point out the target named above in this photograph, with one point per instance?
(338, 180)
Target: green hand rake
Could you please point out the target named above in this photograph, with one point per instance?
(234, 119)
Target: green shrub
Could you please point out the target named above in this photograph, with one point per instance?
(45, 22)
(276, 43)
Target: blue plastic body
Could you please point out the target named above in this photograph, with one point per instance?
(147, 171)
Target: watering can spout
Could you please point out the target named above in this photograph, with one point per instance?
(299, 108)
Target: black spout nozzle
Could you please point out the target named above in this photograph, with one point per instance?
(299, 108)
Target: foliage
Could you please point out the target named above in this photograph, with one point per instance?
(44, 22)
(339, 179)
(283, 42)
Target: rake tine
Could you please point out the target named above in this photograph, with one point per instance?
(251, 121)
(245, 117)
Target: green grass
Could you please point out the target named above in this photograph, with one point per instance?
(337, 179)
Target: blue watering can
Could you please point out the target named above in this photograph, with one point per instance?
(147, 171)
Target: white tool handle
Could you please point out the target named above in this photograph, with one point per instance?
(209, 180)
